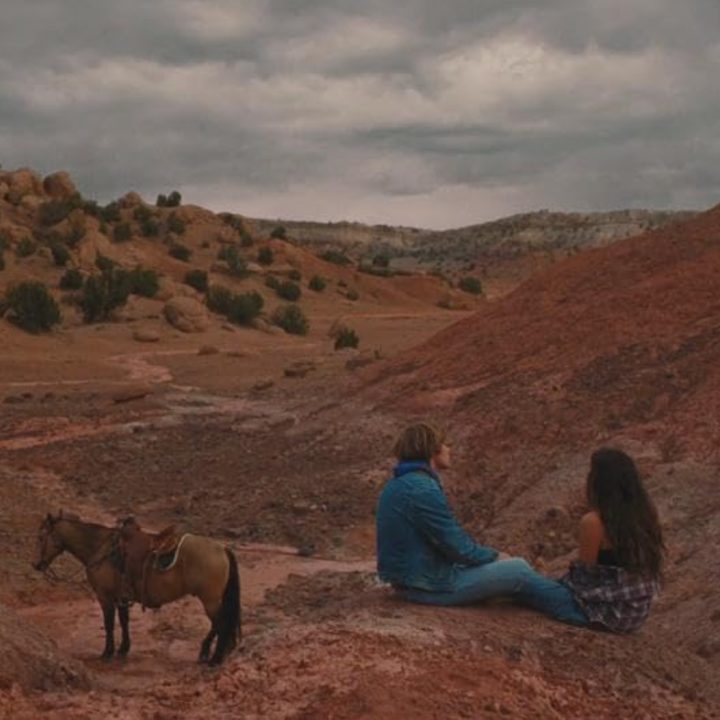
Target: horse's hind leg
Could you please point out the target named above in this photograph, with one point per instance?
(124, 615)
(108, 609)
(206, 644)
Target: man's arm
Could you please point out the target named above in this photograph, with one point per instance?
(437, 523)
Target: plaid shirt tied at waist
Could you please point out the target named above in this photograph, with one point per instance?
(612, 596)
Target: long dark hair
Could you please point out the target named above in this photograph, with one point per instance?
(616, 491)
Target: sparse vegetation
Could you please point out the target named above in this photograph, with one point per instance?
(60, 254)
(143, 282)
(237, 266)
(240, 309)
(381, 261)
(347, 338)
(352, 295)
(272, 282)
(25, 248)
(266, 256)
(175, 224)
(291, 319)
(246, 239)
(337, 257)
(180, 252)
(470, 285)
(218, 299)
(197, 279)
(122, 233)
(145, 217)
(279, 232)
(71, 280)
(317, 283)
(289, 290)
(110, 213)
(103, 294)
(55, 211)
(295, 274)
(32, 307)
(172, 200)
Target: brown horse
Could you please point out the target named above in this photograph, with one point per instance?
(203, 568)
(97, 548)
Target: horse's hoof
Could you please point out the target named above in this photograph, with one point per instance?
(107, 655)
(123, 652)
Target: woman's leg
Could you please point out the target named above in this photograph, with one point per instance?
(512, 578)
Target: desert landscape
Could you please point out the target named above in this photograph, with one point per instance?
(146, 379)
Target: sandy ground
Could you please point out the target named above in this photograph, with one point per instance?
(229, 446)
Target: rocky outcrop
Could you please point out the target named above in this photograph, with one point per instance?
(22, 183)
(187, 315)
(59, 185)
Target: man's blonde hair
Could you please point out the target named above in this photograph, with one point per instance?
(419, 442)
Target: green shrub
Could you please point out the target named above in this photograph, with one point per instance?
(246, 238)
(32, 307)
(218, 299)
(295, 274)
(75, 235)
(103, 294)
(352, 295)
(54, 211)
(347, 338)
(197, 279)
(150, 228)
(237, 266)
(26, 247)
(289, 290)
(110, 213)
(91, 207)
(470, 285)
(291, 319)
(381, 260)
(266, 256)
(317, 283)
(122, 233)
(279, 232)
(272, 282)
(105, 265)
(180, 252)
(143, 282)
(244, 308)
(60, 254)
(175, 224)
(172, 200)
(71, 280)
(336, 257)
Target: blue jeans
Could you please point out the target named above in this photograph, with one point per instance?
(512, 578)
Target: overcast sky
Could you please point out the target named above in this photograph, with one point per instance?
(426, 113)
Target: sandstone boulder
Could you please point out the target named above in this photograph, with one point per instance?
(170, 289)
(146, 336)
(23, 182)
(59, 185)
(187, 314)
(131, 200)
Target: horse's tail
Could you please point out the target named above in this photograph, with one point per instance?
(229, 621)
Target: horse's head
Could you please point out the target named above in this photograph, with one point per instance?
(49, 543)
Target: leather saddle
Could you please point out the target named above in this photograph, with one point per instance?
(142, 554)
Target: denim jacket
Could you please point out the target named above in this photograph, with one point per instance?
(419, 542)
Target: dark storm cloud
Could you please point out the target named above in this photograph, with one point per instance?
(422, 112)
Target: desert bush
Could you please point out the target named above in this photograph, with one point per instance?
(272, 282)
(317, 283)
(104, 264)
(244, 308)
(180, 252)
(25, 248)
(291, 319)
(172, 200)
(237, 266)
(122, 233)
(352, 295)
(91, 207)
(266, 256)
(197, 279)
(378, 271)
(295, 274)
(336, 256)
(143, 282)
(346, 338)
(289, 290)
(470, 285)
(104, 293)
(175, 224)
(110, 213)
(381, 260)
(60, 254)
(54, 211)
(150, 228)
(218, 299)
(75, 235)
(279, 232)
(246, 238)
(32, 307)
(71, 280)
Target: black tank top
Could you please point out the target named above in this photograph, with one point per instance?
(608, 556)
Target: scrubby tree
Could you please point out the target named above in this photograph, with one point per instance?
(291, 319)
(279, 232)
(122, 233)
(336, 257)
(25, 248)
(266, 256)
(317, 283)
(180, 252)
(197, 279)
(288, 290)
(102, 294)
(60, 254)
(346, 338)
(143, 282)
(175, 224)
(471, 285)
(32, 307)
(71, 280)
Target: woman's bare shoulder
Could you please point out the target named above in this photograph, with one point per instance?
(591, 521)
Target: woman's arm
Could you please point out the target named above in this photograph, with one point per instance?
(590, 537)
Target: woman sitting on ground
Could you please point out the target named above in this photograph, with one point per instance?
(428, 558)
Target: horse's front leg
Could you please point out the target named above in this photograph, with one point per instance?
(124, 615)
(108, 608)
